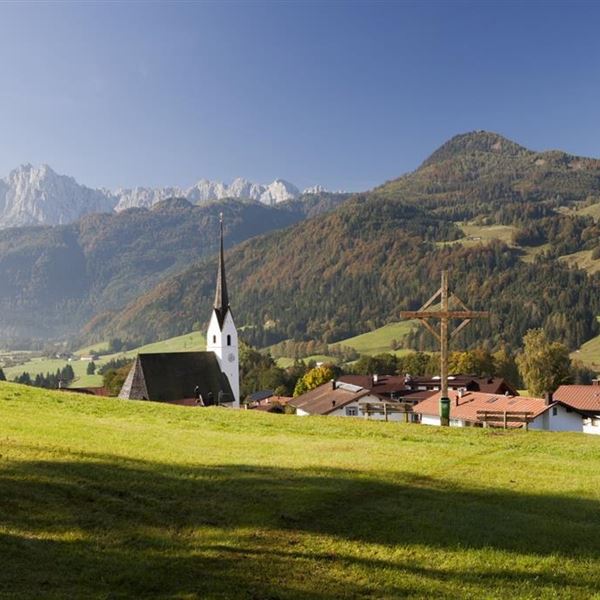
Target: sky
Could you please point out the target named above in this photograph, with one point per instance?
(342, 94)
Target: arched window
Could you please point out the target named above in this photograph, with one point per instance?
(229, 340)
(214, 339)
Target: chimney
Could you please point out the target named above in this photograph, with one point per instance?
(596, 382)
(375, 379)
(333, 384)
(461, 392)
(333, 403)
(548, 398)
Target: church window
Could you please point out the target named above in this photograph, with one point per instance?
(229, 340)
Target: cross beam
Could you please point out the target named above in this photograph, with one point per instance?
(444, 314)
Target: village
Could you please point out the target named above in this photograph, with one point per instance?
(199, 379)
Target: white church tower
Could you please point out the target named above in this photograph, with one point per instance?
(222, 338)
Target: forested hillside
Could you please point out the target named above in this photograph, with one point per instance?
(356, 269)
(53, 279)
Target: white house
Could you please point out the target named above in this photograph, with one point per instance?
(340, 399)
(464, 408)
(584, 399)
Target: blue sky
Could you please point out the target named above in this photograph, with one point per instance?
(345, 94)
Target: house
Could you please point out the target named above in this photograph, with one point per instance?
(185, 377)
(334, 398)
(270, 404)
(388, 387)
(341, 399)
(471, 383)
(545, 413)
(393, 387)
(584, 399)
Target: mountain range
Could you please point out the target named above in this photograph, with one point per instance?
(39, 196)
(54, 278)
(327, 266)
(381, 252)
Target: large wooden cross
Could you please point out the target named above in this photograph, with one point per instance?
(444, 314)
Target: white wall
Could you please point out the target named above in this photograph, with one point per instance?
(227, 354)
(589, 427)
(430, 420)
(561, 421)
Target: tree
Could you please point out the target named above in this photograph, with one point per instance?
(543, 365)
(2, 375)
(313, 378)
(506, 367)
(472, 362)
(113, 379)
(67, 374)
(381, 364)
(91, 368)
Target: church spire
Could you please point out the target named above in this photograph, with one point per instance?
(221, 298)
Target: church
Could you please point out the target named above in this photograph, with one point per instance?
(210, 377)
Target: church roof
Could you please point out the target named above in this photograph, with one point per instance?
(172, 376)
(221, 305)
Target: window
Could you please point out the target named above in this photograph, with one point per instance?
(351, 411)
(554, 411)
(229, 340)
(214, 339)
(569, 409)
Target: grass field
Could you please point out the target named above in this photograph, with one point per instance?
(183, 343)
(374, 342)
(583, 260)
(379, 340)
(285, 362)
(592, 210)
(589, 353)
(103, 498)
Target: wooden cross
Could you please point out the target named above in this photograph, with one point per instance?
(444, 336)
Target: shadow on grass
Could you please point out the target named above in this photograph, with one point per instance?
(98, 526)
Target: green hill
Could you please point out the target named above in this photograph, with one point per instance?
(113, 499)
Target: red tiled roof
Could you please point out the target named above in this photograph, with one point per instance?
(579, 397)
(471, 402)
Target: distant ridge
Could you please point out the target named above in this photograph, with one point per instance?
(32, 195)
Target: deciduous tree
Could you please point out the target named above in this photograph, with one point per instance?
(544, 365)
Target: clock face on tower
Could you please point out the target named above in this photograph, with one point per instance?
(231, 357)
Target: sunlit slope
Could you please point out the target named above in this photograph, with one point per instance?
(106, 498)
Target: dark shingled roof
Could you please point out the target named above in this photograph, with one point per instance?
(221, 297)
(172, 376)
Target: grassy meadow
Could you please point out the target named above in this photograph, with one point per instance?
(101, 498)
(183, 343)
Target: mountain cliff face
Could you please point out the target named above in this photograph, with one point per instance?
(39, 196)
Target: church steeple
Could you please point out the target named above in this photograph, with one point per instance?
(221, 305)
(222, 337)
